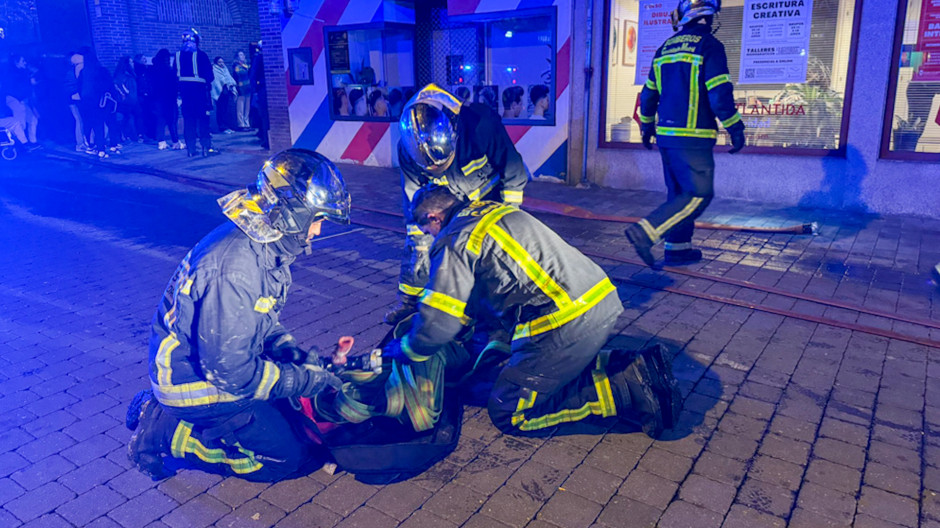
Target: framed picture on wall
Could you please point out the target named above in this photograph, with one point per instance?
(300, 63)
(614, 34)
(628, 57)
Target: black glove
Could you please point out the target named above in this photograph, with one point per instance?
(304, 381)
(648, 132)
(285, 350)
(737, 137)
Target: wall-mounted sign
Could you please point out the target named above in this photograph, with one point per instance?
(775, 41)
(928, 42)
(339, 51)
(300, 64)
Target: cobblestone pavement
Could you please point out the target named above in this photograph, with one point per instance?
(788, 421)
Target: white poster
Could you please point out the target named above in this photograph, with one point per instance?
(653, 29)
(775, 41)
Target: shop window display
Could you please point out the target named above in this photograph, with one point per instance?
(912, 116)
(371, 71)
(503, 60)
(790, 84)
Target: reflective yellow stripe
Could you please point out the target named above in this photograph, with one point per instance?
(187, 287)
(474, 165)
(411, 354)
(693, 97)
(649, 230)
(715, 81)
(647, 119)
(183, 443)
(650, 84)
(414, 230)
(567, 313)
(539, 276)
(445, 303)
(731, 120)
(264, 304)
(605, 395)
(688, 132)
(512, 196)
(269, 377)
(680, 216)
(690, 58)
(410, 290)
(563, 416)
(191, 394)
(442, 181)
(483, 190)
(475, 243)
(163, 360)
(658, 71)
(525, 402)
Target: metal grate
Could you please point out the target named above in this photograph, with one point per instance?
(202, 12)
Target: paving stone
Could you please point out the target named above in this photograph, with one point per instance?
(896, 436)
(426, 519)
(753, 408)
(743, 517)
(793, 428)
(289, 494)
(236, 492)
(833, 476)
(720, 468)
(454, 503)
(90, 449)
(592, 484)
(202, 510)
(366, 517)
(826, 502)
(806, 519)
(612, 458)
(893, 480)
(620, 508)
(665, 464)
(43, 471)
(49, 520)
(681, 514)
(90, 505)
(141, 510)
(309, 515)
(569, 510)
(39, 501)
(11, 462)
(765, 497)
(512, 506)
(561, 456)
(89, 475)
(15, 439)
(888, 506)
(742, 426)
(847, 432)
(537, 479)
(707, 493)
(399, 500)
(895, 457)
(188, 483)
(840, 452)
(649, 489)
(865, 521)
(482, 521)
(483, 475)
(443, 472)
(731, 446)
(131, 483)
(788, 449)
(43, 447)
(252, 514)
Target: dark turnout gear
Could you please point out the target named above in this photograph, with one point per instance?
(219, 356)
(494, 258)
(689, 87)
(194, 72)
(483, 164)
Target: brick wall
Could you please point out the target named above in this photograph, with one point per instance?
(274, 68)
(128, 27)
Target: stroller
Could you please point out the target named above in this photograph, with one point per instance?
(7, 145)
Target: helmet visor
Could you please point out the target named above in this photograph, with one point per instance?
(305, 187)
(429, 136)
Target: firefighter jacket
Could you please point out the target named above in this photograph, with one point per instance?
(195, 81)
(485, 160)
(217, 318)
(498, 258)
(688, 87)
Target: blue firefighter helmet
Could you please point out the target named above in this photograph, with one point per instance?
(689, 10)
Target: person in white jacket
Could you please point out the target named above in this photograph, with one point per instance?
(224, 95)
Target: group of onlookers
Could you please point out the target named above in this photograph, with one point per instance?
(138, 102)
(379, 102)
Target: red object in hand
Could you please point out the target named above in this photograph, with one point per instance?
(343, 348)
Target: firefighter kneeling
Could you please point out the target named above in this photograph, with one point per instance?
(488, 256)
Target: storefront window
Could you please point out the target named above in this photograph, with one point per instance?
(790, 85)
(504, 60)
(371, 71)
(912, 119)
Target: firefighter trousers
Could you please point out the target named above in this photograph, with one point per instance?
(689, 175)
(550, 382)
(255, 442)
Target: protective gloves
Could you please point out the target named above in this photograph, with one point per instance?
(285, 350)
(737, 137)
(305, 380)
(648, 132)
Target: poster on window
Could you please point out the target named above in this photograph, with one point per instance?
(775, 41)
(653, 28)
(928, 43)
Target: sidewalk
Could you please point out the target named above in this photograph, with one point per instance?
(787, 421)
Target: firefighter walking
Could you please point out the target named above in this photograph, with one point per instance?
(688, 88)
(465, 148)
(489, 257)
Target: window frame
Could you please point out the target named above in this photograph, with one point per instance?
(550, 11)
(329, 66)
(785, 151)
(887, 127)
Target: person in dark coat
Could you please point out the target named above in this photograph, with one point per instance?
(125, 81)
(259, 94)
(164, 86)
(98, 105)
(194, 72)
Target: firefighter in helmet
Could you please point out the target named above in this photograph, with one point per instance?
(194, 72)
(221, 364)
(688, 88)
(465, 148)
(490, 257)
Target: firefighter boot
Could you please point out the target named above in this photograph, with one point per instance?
(641, 243)
(148, 443)
(646, 384)
(407, 305)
